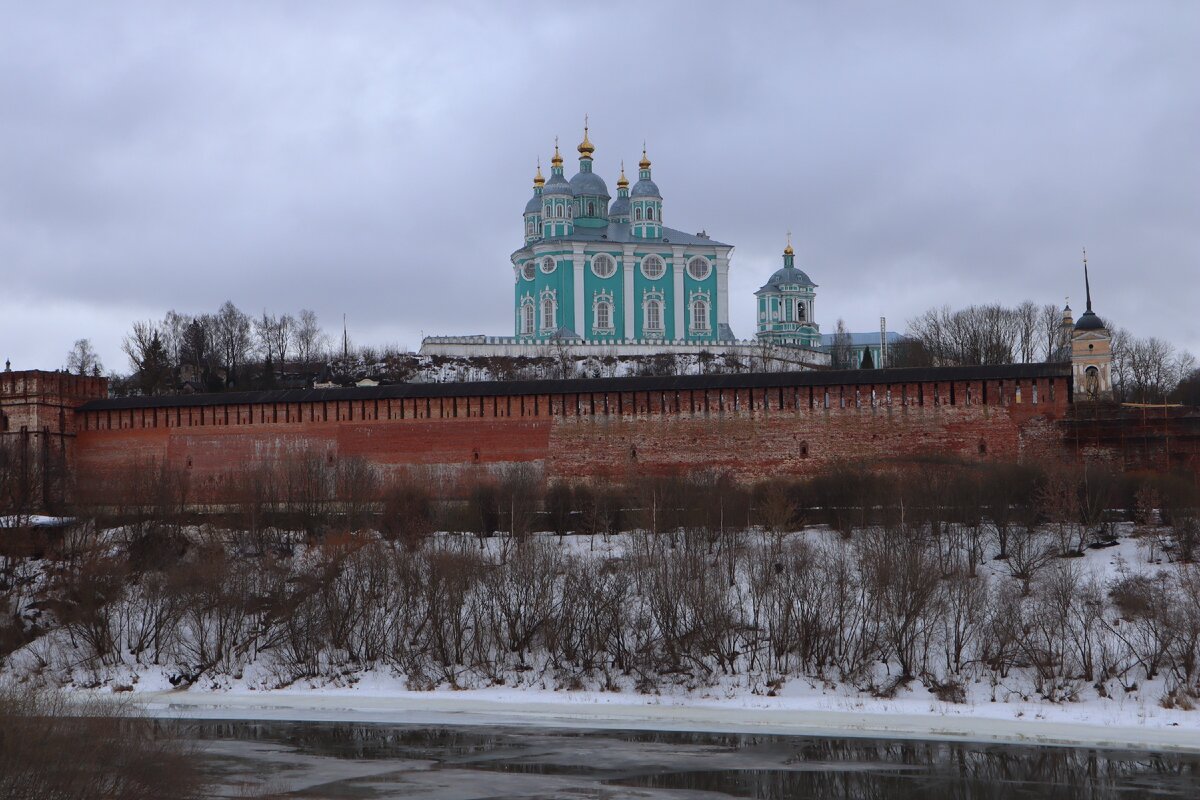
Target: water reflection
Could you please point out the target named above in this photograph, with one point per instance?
(364, 760)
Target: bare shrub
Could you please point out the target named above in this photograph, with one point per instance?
(55, 747)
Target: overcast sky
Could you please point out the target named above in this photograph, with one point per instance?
(374, 159)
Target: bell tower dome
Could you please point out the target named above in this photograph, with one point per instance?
(1091, 353)
(533, 209)
(558, 207)
(646, 203)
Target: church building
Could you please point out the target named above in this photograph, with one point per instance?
(785, 306)
(601, 271)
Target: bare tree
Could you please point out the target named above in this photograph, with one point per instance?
(1028, 316)
(1055, 340)
(173, 331)
(82, 360)
(841, 355)
(309, 338)
(233, 339)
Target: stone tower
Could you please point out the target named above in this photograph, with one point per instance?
(1091, 353)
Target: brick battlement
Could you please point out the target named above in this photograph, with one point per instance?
(751, 425)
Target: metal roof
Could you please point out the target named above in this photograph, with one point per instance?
(671, 383)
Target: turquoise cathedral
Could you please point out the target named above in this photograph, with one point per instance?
(605, 271)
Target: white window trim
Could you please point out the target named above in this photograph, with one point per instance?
(603, 300)
(528, 313)
(553, 314)
(654, 297)
(612, 261)
(647, 275)
(707, 268)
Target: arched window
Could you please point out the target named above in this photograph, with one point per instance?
(653, 315)
(801, 313)
(527, 318)
(602, 317)
(650, 211)
(548, 313)
(591, 208)
(653, 267)
(698, 268)
(699, 314)
(603, 266)
(637, 213)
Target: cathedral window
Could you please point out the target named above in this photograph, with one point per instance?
(527, 318)
(653, 267)
(602, 317)
(591, 208)
(700, 314)
(603, 266)
(653, 320)
(547, 265)
(801, 315)
(699, 268)
(548, 310)
(637, 213)
(528, 270)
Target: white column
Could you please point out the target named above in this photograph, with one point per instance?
(580, 321)
(722, 262)
(677, 267)
(629, 302)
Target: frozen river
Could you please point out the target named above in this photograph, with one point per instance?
(358, 760)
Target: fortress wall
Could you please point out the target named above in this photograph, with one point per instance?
(752, 431)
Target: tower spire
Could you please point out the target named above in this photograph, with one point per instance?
(1087, 285)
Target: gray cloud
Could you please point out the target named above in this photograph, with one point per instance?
(375, 159)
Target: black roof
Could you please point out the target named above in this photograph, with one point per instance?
(743, 380)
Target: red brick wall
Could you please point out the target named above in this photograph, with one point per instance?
(752, 432)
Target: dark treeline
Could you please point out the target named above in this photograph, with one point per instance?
(1144, 370)
(334, 572)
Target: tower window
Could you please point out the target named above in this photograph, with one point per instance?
(528, 270)
(591, 208)
(547, 265)
(801, 315)
(653, 267)
(548, 313)
(637, 213)
(527, 318)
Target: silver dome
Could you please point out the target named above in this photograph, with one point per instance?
(645, 188)
(589, 183)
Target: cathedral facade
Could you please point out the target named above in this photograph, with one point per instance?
(602, 271)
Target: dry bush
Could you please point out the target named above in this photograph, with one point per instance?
(53, 747)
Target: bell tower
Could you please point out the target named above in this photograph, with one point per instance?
(1091, 353)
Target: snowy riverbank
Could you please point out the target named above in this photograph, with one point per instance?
(1093, 724)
